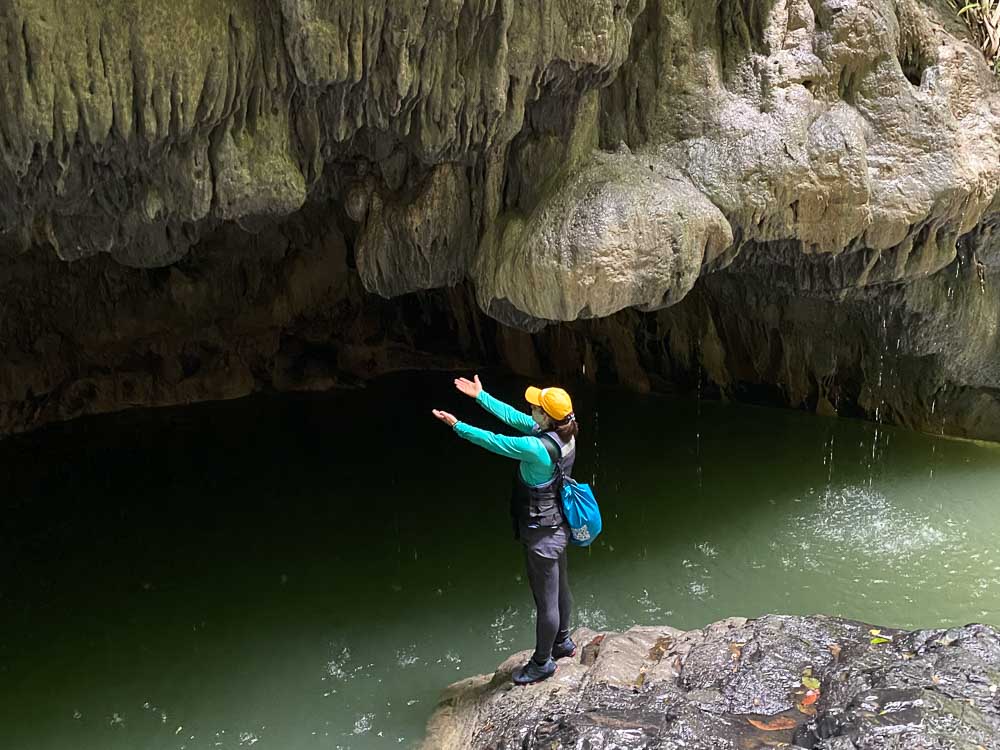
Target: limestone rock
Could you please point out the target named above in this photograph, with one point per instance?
(125, 123)
(421, 243)
(860, 127)
(738, 684)
(614, 234)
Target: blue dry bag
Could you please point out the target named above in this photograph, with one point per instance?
(579, 507)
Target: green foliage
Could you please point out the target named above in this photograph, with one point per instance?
(983, 17)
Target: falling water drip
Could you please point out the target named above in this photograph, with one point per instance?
(934, 445)
(828, 460)
(597, 454)
(697, 429)
(880, 406)
(951, 286)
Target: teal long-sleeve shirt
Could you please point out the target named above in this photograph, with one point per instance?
(536, 464)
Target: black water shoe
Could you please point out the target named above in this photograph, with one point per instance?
(563, 649)
(534, 672)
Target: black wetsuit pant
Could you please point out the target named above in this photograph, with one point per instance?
(545, 561)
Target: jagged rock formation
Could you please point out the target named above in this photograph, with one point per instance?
(790, 197)
(796, 682)
(128, 128)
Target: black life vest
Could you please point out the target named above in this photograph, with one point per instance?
(539, 506)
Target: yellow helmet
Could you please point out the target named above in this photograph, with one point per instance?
(555, 401)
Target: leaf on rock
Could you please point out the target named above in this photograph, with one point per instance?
(660, 648)
(641, 679)
(811, 697)
(879, 640)
(774, 725)
(835, 650)
(736, 650)
(810, 682)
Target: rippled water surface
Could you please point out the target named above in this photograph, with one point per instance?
(308, 572)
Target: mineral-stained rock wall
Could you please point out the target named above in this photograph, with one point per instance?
(784, 197)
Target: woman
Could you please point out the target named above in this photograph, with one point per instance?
(546, 452)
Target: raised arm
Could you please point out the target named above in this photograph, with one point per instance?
(507, 414)
(530, 449)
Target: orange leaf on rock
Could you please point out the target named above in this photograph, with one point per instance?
(774, 725)
(810, 697)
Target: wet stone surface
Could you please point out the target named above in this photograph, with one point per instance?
(775, 682)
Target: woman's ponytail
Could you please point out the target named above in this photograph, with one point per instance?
(567, 428)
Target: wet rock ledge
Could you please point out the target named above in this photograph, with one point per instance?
(778, 681)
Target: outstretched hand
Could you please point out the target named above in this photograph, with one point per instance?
(448, 419)
(471, 388)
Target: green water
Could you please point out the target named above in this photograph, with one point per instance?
(308, 572)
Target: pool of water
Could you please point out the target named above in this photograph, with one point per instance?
(308, 572)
